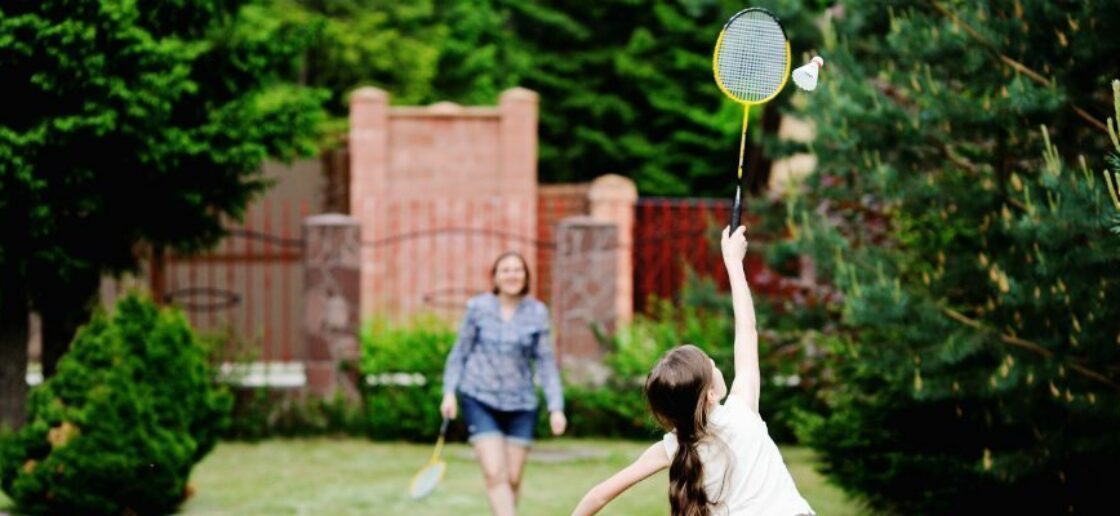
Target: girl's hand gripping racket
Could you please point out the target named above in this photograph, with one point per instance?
(751, 65)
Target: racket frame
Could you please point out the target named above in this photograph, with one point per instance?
(433, 461)
(737, 204)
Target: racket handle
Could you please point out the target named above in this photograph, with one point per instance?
(736, 209)
(443, 427)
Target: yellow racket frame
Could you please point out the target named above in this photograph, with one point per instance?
(746, 103)
(433, 461)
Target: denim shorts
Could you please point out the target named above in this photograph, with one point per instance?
(484, 421)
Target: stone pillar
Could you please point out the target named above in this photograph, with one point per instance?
(369, 163)
(583, 286)
(331, 307)
(612, 200)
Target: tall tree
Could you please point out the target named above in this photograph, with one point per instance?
(627, 87)
(139, 124)
(393, 45)
(981, 370)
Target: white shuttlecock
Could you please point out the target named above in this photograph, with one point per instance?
(806, 76)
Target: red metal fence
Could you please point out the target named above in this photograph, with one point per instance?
(250, 288)
(555, 202)
(672, 235)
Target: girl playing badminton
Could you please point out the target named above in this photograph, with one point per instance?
(720, 457)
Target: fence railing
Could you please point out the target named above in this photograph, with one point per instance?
(673, 235)
(249, 289)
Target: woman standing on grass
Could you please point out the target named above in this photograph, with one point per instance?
(504, 335)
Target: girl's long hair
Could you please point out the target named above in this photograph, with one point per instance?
(677, 389)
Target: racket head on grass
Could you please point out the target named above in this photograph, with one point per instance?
(426, 480)
(429, 476)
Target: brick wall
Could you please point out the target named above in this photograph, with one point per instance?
(439, 192)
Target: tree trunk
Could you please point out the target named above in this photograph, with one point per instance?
(336, 171)
(14, 322)
(66, 309)
(58, 332)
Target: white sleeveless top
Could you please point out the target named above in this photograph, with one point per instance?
(744, 471)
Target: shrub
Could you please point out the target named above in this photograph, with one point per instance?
(262, 412)
(405, 407)
(407, 365)
(118, 428)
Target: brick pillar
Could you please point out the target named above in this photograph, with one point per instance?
(518, 126)
(583, 286)
(331, 266)
(612, 200)
(517, 165)
(369, 168)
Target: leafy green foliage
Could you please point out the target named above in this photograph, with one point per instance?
(263, 413)
(131, 410)
(394, 45)
(405, 408)
(137, 125)
(183, 103)
(626, 87)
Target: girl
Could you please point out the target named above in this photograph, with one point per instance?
(721, 459)
(504, 333)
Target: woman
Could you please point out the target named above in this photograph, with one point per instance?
(504, 333)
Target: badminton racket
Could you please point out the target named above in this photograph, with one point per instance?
(751, 66)
(429, 476)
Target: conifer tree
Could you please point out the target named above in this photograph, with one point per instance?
(970, 244)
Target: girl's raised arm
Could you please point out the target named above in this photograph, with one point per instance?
(747, 382)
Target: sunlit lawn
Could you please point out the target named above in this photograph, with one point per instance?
(352, 476)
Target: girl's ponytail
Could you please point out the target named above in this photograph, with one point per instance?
(677, 390)
(686, 482)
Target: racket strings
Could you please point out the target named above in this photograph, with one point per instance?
(751, 62)
(427, 480)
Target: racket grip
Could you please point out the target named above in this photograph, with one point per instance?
(736, 210)
(443, 427)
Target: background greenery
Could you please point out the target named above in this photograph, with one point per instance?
(119, 428)
(959, 220)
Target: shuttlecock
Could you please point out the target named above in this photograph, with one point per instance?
(806, 76)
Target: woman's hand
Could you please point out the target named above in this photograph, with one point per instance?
(558, 422)
(448, 408)
(734, 246)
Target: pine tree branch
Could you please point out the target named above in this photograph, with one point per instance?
(888, 90)
(1019, 67)
(1113, 189)
(959, 160)
(973, 168)
(1028, 345)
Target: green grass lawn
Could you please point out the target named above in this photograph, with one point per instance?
(352, 476)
